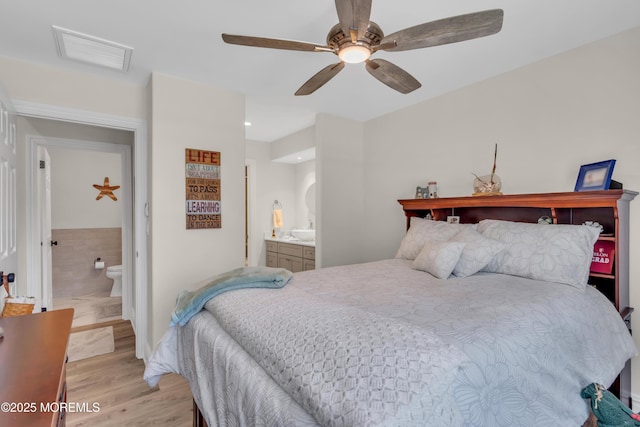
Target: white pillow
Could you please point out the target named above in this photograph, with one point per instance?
(553, 252)
(420, 231)
(438, 258)
(477, 252)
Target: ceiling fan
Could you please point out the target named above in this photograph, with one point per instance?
(355, 38)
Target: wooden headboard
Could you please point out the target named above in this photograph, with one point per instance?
(610, 208)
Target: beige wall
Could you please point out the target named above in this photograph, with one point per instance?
(191, 115)
(547, 118)
(73, 197)
(292, 144)
(26, 81)
(339, 190)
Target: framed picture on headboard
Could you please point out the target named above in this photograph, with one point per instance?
(595, 176)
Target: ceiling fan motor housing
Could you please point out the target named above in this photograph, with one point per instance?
(337, 39)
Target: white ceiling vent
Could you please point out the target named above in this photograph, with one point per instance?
(92, 50)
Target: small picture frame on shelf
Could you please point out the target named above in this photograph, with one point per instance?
(453, 219)
(595, 176)
(422, 193)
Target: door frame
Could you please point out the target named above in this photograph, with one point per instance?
(254, 235)
(44, 286)
(34, 286)
(140, 200)
(9, 168)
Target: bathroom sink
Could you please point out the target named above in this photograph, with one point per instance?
(304, 234)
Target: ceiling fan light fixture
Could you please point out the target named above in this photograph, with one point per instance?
(354, 54)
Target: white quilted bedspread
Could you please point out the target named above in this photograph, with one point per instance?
(383, 344)
(343, 365)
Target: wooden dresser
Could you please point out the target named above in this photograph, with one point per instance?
(33, 355)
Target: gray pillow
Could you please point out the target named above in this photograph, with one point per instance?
(422, 230)
(554, 252)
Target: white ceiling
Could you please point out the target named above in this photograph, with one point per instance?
(182, 38)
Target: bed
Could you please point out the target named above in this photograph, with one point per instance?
(404, 341)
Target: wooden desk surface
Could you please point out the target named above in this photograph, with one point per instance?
(32, 361)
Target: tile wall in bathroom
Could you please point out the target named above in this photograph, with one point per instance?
(73, 260)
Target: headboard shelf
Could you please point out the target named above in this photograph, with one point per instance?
(568, 199)
(562, 208)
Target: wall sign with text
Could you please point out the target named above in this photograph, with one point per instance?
(202, 177)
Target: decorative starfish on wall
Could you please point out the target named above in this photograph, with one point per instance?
(106, 190)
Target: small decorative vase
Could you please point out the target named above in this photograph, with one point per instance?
(487, 185)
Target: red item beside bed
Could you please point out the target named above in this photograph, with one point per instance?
(603, 256)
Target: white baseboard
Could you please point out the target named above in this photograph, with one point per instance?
(127, 315)
(132, 318)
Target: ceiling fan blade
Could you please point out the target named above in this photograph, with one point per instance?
(320, 78)
(274, 43)
(448, 30)
(392, 75)
(354, 14)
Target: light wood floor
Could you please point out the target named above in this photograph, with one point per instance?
(114, 381)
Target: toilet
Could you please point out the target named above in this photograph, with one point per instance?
(115, 272)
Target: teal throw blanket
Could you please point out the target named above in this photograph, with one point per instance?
(191, 302)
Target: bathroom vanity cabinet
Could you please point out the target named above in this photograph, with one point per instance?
(293, 256)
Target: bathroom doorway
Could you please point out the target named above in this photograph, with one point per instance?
(87, 227)
(89, 234)
(136, 309)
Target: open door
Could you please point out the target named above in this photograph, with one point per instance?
(8, 173)
(46, 241)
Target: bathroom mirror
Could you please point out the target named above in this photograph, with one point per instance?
(310, 200)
